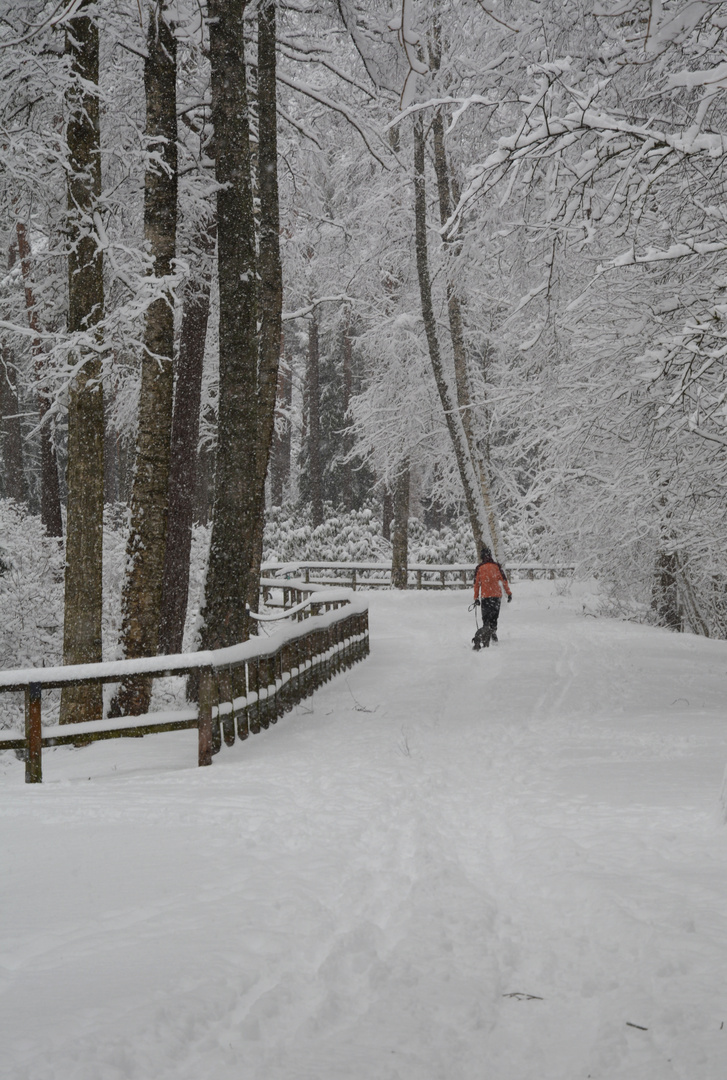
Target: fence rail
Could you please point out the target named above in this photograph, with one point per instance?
(377, 575)
(242, 689)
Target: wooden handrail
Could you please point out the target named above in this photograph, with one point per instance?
(420, 575)
(241, 688)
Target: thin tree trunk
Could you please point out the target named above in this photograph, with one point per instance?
(387, 514)
(50, 497)
(314, 423)
(459, 350)
(270, 273)
(185, 440)
(696, 621)
(282, 443)
(473, 500)
(14, 482)
(400, 539)
(236, 505)
(346, 440)
(142, 594)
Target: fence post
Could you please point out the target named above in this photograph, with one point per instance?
(253, 683)
(353, 578)
(204, 716)
(33, 736)
(239, 689)
(419, 579)
(226, 693)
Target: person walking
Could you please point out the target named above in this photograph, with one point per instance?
(490, 581)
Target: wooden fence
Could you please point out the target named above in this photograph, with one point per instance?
(241, 689)
(375, 575)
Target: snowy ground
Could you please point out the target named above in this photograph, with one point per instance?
(374, 888)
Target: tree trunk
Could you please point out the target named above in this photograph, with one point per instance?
(387, 514)
(665, 596)
(185, 440)
(400, 539)
(314, 423)
(204, 488)
(282, 443)
(459, 351)
(50, 496)
(473, 500)
(236, 503)
(141, 601)
(14, 483)
(270, 273)
(346, 439)
(82, 642)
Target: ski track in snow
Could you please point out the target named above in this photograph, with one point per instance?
(446, 865)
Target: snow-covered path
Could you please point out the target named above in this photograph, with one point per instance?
(374, 888)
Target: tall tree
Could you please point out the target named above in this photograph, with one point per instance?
(85, 470)
(184, 450)
(269, 268)
(236, 506)
(456, 330)
(142, 594)
(472, 492)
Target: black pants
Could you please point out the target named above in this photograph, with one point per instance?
(490, 611)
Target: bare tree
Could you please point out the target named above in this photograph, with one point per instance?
(472, 493)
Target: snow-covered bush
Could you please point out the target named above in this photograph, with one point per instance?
(31, 597)
(355, 536)
(31, 590)
(343, 537)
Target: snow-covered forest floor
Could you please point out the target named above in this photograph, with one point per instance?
(448, 865)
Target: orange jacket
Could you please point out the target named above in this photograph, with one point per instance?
(490, 580)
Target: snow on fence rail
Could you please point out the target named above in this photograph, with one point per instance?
(377, 575)
(242, 688)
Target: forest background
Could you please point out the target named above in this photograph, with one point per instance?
(298, 279)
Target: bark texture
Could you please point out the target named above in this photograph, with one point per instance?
(142, 594)
(472, 495)
(270, 273)
(85, 469)
(282, 441)
(665, 597)
(232, 548)
(400, 537)
(185, 439)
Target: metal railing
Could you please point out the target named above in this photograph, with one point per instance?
(242, 688)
